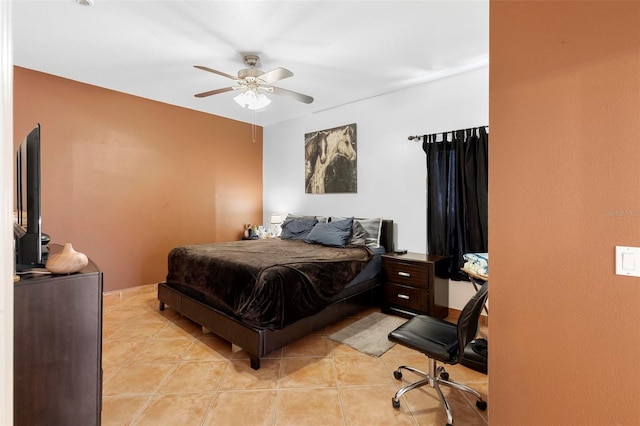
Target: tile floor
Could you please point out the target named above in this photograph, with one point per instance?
(160, 369)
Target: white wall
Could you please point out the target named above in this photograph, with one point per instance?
(391, 169)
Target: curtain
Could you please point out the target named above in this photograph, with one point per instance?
(457, 195)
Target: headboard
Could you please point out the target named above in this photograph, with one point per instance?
(387, 235)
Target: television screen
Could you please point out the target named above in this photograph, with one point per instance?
(28, 232)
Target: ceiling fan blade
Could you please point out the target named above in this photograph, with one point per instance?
(275, 75)
(214, 92)
(232, 77)
(294, 95)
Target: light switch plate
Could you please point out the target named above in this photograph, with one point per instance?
(628, 261)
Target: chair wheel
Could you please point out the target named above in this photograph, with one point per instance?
(482, 405)
(397, 374)
(444, 375)
(396, 404)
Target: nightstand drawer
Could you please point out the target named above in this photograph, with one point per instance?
(406, 297)
(412, 274)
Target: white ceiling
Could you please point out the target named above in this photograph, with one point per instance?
(339, 51)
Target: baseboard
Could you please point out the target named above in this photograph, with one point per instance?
(130, 291)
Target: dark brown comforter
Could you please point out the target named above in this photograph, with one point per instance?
(266, 283)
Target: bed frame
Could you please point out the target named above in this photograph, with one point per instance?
(257, 341)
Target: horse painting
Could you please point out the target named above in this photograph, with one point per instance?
(330, 160)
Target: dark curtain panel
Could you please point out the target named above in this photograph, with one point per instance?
(457, 188)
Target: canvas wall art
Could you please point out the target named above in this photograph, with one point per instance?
(330, 161)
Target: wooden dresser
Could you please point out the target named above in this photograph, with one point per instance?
(414, 285)
(58, 349)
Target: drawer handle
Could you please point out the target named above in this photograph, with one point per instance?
(403, 296)
(404, 274)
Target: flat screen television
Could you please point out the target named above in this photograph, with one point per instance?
(30, 242)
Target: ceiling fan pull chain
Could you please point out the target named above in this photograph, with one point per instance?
(253, 125)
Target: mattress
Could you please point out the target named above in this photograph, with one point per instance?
(270, 283)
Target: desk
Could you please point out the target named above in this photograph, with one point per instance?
(475, 280)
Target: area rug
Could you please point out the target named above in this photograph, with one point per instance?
(369, 334)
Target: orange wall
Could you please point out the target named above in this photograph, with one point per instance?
(124, 178)
(564, 191)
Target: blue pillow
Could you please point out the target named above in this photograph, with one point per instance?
(297, 229)
(335, 234)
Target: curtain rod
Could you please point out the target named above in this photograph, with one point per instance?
(418, 137)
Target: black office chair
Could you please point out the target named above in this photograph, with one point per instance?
(440, 341)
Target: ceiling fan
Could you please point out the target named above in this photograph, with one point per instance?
(252, 82)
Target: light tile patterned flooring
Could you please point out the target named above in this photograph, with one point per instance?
(160, 369)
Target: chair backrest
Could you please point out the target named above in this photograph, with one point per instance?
(470, 317)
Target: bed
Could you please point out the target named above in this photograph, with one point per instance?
(261, 295)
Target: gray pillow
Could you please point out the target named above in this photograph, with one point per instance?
(321, 219)
(358, 235)
(373, 228)
(297, 229)
(335, 234)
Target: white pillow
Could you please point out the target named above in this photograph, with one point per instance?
(373, 227)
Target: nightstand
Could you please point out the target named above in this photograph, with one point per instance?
(414, 284)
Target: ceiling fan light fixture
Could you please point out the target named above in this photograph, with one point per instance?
(252, 99)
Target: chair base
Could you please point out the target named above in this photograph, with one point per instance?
(437, 376)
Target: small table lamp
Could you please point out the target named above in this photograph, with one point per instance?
(276, 220)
